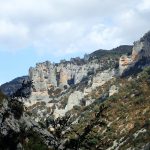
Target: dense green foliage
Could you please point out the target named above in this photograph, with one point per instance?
(34, 142)
(16, 108)
(2, 96)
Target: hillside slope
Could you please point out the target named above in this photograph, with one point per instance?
(18, 131)
(12, 86)
(127, 118)
(101, 102)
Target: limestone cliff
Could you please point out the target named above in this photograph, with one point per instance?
(139, 58)
(57, 88)
(45, 75)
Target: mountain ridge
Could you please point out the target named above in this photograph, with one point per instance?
(8, 89)
(99, 102)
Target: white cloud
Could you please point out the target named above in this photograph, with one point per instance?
(65, 27)
(144, 5)
(13, 37)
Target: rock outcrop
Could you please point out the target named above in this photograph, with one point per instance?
(140, 56)
(45, 75)
(53, 83)
(74, 100)
(113, 90)
(100, 79)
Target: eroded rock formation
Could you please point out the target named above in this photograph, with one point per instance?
(140, 54)
(52, 84)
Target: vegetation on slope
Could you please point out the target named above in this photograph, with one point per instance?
(116, 52)
(128, 116)
(125, 123)
(34, 142)
(2, 96)
(12, 86)
(13, 133)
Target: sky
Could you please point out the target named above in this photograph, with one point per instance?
(34, 31)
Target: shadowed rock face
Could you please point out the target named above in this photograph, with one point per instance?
(140, 54)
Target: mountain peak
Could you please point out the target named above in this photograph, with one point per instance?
(139, 58)
(146, 37)
(82, 103)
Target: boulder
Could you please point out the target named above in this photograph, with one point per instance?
(74, 100)
(113, 90)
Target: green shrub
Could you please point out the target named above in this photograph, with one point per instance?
(2, 96)
(77, 107)
(137, 125)
(139, 100)
(93, 141)
(147, 70)
(16, 108)
(147, 123)
(35, 142)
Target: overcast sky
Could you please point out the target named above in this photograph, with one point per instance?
(32, 31)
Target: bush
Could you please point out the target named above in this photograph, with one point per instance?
(16, 108)
(2, 96)
(93, 142)
(35, 142)
(146, 73)
(77, 107)
(147, 70)
(64, 102)
(147, 124)
(137, 125)
(139, 100)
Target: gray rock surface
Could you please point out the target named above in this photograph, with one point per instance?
(113, 90)
(45, 75)
(74, 100)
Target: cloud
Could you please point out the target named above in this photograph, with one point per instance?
(144, 5)
(11, 33)
(67, 27)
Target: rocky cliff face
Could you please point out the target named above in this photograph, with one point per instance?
(140, 56)
(45, 75)
(60, 87)
(54, 83)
